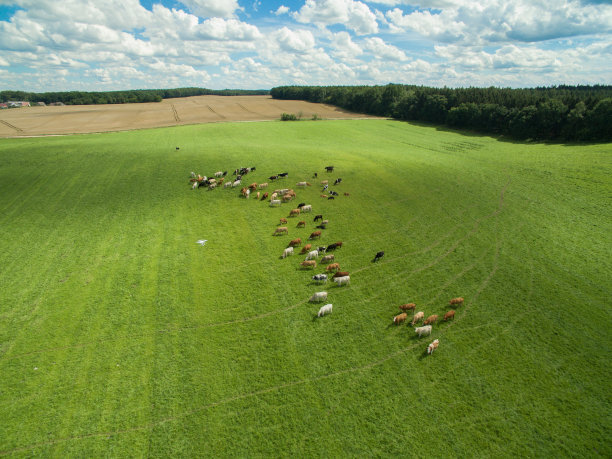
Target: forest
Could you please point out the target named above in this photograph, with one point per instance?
(560, 113)
(121, 97)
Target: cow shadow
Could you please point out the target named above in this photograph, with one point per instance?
(423, 355)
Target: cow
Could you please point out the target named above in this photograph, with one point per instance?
(263, 185)
(195, 185)
(318, 296)
(307, 208)
(324, 182)
(320, 277)
(253, 186)
(327, 258)
(312, 254)
(449, 315)
(294, 212)
(318, 217)
(344, 280)
(338, 180)
(407, 307)
(329, 168)
(323, 195)
(425, 330)
(331, 197)
(227, 184)
(283, 174)
(235, 183)
(322, 249)
(224, 173)
(281, 230)
(315, 175)
(295, 242)
(287, 197)
(398, 319)
(334, 193)
(288, 251)
(273, 177)
(274, 195)
(283, 221)
(378, 256)
(275, 202)
(306, 248)
(301, 204)
(340, 274)
(327, 309)
(418, 317)
(321, 226)
(302, 184)
(221, 180)
(315, 234)
(219, 174)
(432, 346)
(454, 301)
(265, 196)
(431, 319)
(309, 264)
(301, 224)
(334, 246)
(212, 186)
(332, 267)
(346, 194)
(258, 195)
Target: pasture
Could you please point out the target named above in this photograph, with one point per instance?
(120, 336)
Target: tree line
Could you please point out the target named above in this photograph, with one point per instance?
(581, 113)
(121, 97)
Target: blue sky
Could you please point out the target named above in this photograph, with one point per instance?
(98, 45)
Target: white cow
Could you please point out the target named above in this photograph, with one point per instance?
(432, 346)
(327, 309)
(344, 280)
(301, 184)
(425, 330)
(236, 182)
(312, 254)
(218, 174)
(194, 186)
(318, 296)
(288, 251)
(227, 184)
(193, 174)
(307, 208)
(275, 202)
(327, 258)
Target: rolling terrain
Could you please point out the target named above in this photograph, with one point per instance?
(119, 335)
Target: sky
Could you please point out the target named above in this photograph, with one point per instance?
(104, 45)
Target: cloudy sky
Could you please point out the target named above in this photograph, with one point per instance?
(98, 45)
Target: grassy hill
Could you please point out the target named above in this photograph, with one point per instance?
(119, 335)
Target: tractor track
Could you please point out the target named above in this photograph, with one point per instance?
(12, 126)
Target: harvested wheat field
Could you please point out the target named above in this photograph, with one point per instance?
(75, 119)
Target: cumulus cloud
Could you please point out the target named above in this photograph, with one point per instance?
(281, 10)
(212, 8)
(354, 15)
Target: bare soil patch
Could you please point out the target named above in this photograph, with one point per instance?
(79, 119)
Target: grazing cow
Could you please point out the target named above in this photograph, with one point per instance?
(195, 185)
(327, 258)
(378, 256)
(306, 248)
(301, 204)
(312, 254)
(331, 197)
(287, 197)
(315, 234)
(193, 174)
(248, 193)
(334, 193)
(346, 194)
(333, 267)
(273, 177)
(307, 208)
(315, 175)
(418, 317)
(332, 247)
(301, 184)
(338, 180)
(221, 180)
(327, 309)
(253, 186)
(265, 196)
(212, 186)
(227, 184)
(274, 195)
(407, 307)
(283, 220)
(329, 168)
(252, 168)
(294, 212)
(425, 330)
(323, 195)
(309, 264)
(344, 280)
(224, 173)
(281, 230)
(320, 277)
(321, 226)
(324, 182)
(322, 249)
(338, 244)
(283, 174)
(243, 191)
(288, 251)
(432, 346)
(318, 296)
(258, 195)
(301, 224)
(275, 202)
(263, 185)
(431, 319)
(449, 315)
(456, 301)
(398, 319)
(295, 242)
(340, 274)
(235, 183)
(219, 174)
(318, 217)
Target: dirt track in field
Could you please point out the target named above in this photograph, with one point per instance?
(80, 119)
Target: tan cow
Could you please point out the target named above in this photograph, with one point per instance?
(315, 234)
(301, 224)
(332, 267)
(294, 212)
(283, 220)
(456, 301)
(306, 248)
(309, 264)
(418, 317)
(449, 315)
(295, 242)
(327, 258)
(431, 319)
(263, 185)
(407, 307)
(281, 230)
(400, 318)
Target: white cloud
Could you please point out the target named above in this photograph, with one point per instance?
(380, 49)
(295, 41)
(354, 15)
(212, 8)
(344, 47)
(281, 10)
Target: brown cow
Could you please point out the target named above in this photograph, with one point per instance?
(400, 318)
(456, 301)
(301, 224)
(431, 319)
(346, 194)
(407, 307)
(253, 186)
(327, 258)
(281, 230)
(265, 196)
(340, 274)
(309, 264)
(333, 266)
(287, 197)
(295, 242)
(283, 220)
(417, 317)
(294, 212)
(263, 185)
(338, 244)
(324, 196)
(306, 248)
(315, 234)
(449, 315)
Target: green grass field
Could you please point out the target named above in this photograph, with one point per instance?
(120, 336)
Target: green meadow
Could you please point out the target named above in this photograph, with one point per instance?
(120, 336)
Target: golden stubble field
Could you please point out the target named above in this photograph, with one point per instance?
(79, 119)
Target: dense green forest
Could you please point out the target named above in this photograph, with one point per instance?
(121, 97)
(553, 113)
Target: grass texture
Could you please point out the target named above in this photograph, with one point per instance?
(120, 336)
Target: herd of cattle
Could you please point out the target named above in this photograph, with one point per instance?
(341, 278)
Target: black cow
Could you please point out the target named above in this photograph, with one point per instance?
(224, 173)
(284, 174)
(329, 168)
(331, 197)
(378, 256)
(322, 249)
(338, 180)
(253, 168)
(301, 204)
(318, 217)
(333, 246)
(315, 175)
(273, 177)
(333, 193)
(322, 226)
